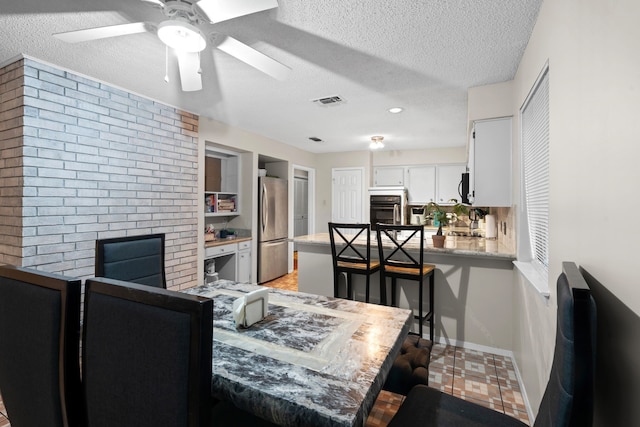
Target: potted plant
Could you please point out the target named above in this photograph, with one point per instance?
(440, 216)
(459, 210)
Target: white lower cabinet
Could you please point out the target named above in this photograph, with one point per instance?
(244, 262)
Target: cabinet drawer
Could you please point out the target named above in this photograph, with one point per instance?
(244, 245)
(216, 251)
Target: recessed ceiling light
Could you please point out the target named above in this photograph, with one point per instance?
(396, 110)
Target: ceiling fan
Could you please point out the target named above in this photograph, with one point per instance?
(181, 32)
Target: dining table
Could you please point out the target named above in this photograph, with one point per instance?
(311, 361)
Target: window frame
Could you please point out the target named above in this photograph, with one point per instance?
(533, 248)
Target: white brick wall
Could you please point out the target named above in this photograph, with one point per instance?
(11, 171)
(100, 162)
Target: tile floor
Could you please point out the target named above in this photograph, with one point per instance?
(484, 378)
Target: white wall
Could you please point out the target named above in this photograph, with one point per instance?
(325, 163)
(490, 101)
(592, 48)
(420, 157)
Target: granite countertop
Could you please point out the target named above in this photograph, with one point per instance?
(313, 360)
(454, 245)
(226, 241)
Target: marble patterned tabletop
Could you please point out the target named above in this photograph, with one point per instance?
(313, 361)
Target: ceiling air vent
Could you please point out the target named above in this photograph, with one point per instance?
(328, 101)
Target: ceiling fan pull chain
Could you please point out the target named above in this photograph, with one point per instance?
(166, 64)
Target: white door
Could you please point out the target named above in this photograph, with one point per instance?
(347, 195)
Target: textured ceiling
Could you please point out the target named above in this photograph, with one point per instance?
(421, 55)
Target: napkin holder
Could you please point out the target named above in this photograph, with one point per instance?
(251, 308)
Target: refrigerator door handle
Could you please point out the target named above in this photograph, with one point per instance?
(264, 207)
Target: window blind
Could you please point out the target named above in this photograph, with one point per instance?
(535, 157)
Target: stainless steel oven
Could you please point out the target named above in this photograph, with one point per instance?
(387, 205)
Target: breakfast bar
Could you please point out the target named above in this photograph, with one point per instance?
(312, 361)
(473, 286)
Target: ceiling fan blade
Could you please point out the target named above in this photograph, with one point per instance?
(154, 2)
(254, 58)
(222, 10)
(189, 65)
(101, 32)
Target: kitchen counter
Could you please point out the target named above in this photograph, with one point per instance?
(221, 242)
(454, 245)
(473, 286)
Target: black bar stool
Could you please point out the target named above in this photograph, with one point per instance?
(400, 264)
(349, 258)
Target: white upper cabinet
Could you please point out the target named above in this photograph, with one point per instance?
(388, 175)
(434, 183)
(449, 177)
(421, 184)
(425, 183)
(490, 175)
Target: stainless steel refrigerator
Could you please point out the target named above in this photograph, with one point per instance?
(273, 225)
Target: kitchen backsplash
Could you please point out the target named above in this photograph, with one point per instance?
(505, 219)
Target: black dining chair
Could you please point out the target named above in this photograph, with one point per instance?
(401, 249)
(146, 356)
(351, 254)
(40, 336)
(137, 259)
(568, 397)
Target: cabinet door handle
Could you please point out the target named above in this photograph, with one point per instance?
(265, 205)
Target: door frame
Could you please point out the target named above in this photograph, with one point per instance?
(311, 179)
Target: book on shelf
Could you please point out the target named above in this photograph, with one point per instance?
(210, 203)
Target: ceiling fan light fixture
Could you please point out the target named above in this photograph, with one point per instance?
(376, 143)
(181, 36)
